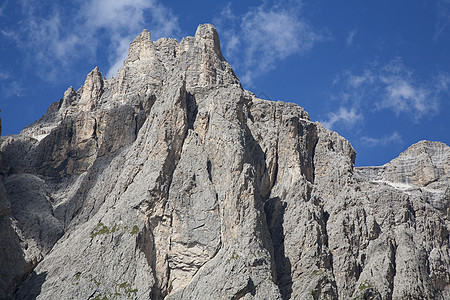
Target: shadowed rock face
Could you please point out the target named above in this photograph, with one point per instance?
(172, 182)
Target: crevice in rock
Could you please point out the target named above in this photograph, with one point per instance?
(392, 268)
(313, 151)
(326, 216)
(274, 209)
(209, 169)
(249, 288)
(275, 172)
(191, 110)
(308, 132)
(159, 196)
(136, 125)
(95, 133)
(271, 209)
(145, 243)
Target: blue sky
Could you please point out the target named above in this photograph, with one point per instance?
(377, 72)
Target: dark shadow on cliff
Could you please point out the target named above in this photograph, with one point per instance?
(31, 287)
(13, 267)
(274, 209)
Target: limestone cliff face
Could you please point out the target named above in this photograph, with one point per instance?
(172, 182)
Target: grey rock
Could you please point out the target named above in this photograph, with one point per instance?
(172, 182)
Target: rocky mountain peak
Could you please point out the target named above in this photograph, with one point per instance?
(423, 164)
(207, 34)
(170, 181)
(141, 48)
(92, 90)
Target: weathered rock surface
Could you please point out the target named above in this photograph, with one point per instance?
(172, 182)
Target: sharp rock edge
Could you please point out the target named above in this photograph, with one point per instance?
(172, 182)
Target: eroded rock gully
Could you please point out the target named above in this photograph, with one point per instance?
(172, 182)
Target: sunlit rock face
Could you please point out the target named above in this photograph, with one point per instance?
(172, 182)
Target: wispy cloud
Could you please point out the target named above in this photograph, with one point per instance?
(355, 81)
(56, 37)
(402, 97)
(350, 38)
(51, 45)
(402, 93)
(442, 82)
(268, 34)
(442, 18)
(384, 87)
(11, 88)
(4, 75)
(394, 138)
(123, 19)
(344, 116)
(392, 87)
(3, 7)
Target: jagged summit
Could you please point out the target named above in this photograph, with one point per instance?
(196, 60)
(172, 182)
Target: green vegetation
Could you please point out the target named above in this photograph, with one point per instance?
(114, 228)
(97, 283)
(99, 229)
(123, 285)
(126, 287)
(76, 278)
(135, 230)
(234, 255)
(362, 290)
(122, 290)
(365, 285)
(318, 272)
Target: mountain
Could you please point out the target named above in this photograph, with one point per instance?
(171, 181)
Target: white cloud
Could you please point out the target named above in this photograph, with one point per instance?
(57, 37)
(403, 94)
(392, 87)
(266, 35)
(226, 13)
(393, 138)
(350, 37)
(117, 15)
(120, 54)
(49, 41)
(347, 117)
(355, 81)
(124, 19)
(402, 97)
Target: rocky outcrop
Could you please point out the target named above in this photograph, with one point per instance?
(172, 182)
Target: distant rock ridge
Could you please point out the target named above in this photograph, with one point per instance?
(423, 164)
(171, 181)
